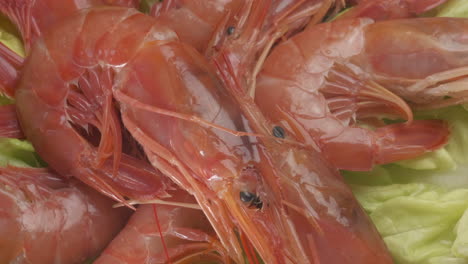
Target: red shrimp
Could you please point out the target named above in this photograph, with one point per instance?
(68, 100)
(88, 130)
(46, 219)
(284, 199)
(313, 88)
(187, 235)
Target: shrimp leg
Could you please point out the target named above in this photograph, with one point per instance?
(9, 126)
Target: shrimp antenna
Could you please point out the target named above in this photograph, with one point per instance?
(161, 235)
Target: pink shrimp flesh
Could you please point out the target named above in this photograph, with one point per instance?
(47, 219)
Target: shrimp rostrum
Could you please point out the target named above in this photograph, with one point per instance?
(285, 201)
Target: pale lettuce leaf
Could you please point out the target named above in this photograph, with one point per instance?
(453, 8)
(420, 206)
(15, 152)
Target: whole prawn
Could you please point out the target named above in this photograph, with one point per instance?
(47, 219)
(232, 177)
(284, 199)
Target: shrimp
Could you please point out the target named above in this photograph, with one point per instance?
(187, 234)
(284, 199)
(47, 219)
(313, 89)
(91, 135)
(80, 113)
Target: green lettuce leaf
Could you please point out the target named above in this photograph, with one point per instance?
(10, 37)
(452, 8)
(420, 206)
(18, 153)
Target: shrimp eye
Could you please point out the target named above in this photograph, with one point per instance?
(230, 30)
(279, 132)
(246, 197)
(251, 199)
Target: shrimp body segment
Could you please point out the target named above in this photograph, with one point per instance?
(314, 86)
(46, 219)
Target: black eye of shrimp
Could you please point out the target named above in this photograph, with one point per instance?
(279, 132)
(230, 30)
(251, 199)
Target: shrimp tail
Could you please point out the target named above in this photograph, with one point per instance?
(406, 141)
(386, 144)
(9, 125)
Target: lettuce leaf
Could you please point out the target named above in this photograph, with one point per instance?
(420, 206)
(9, 36)
(452, 8)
